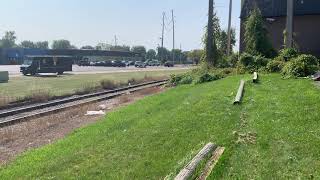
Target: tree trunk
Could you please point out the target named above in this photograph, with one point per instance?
(210, 39)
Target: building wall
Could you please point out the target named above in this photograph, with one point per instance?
(305, 33)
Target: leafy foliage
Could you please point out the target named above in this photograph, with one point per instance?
(287, 54)
(251, 63)
(301, 66)
(8, 40)
(256, 40)
(151, 54)
(61, 44)
(275, 66)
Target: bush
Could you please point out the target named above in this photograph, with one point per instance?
(108, 84)
(301, 66)
(287, 54)
(275, 66)
(206, 78)
(251, 63)
(233, 59)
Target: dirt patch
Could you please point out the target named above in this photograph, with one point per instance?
(35, 133)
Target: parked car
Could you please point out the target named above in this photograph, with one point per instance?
(84, 63)
(140, 64)
(154, 63)
(131, 63)
(118, 64)
(168, 64)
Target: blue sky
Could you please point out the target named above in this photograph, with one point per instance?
(88, 22)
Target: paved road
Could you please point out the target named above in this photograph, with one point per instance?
(14, 70)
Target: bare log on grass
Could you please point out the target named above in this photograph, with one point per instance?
(187, 171)
(240, 93)
(255, 77)
(212, 163)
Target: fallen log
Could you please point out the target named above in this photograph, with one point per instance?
(188, 170)
(212, 163)
(255, 77)
(238, 98)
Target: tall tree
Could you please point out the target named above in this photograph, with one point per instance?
(27, 44)
(256, 38)
(211, 55)
(139, 49)
(8, 40)
(151, 54)
(42, 44)
(222, 42)
(196, 55)
(61, 44)
(164, 53)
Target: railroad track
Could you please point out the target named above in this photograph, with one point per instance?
(23, 113)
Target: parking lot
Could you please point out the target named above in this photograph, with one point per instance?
(14, 69)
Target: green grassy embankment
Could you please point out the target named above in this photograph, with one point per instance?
(274, 134)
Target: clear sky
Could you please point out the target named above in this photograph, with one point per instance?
(88, 22)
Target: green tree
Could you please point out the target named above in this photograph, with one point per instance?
(8, 40)
(163, 54)
(139, 49)
(196, 55)
(62, 44)
(27, 44)
(222, 41)
(151, 54)
(211, 52)
(42, 44)
(256, 38)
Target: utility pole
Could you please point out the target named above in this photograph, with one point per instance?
(229, 29)
(162, 37)
(180, 54)
(290, 7)
(115, 40)
(173, 38)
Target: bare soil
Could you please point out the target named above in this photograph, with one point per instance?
(35, 133)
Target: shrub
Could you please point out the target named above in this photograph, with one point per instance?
(206, 78)
(233, 59)
(287, 54)
(108, 84)
(251, 63)
(301, 66)
(275, 66)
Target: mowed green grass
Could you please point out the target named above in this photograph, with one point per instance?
(155, 137)
(67, 84)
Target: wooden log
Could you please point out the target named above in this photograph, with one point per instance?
(255, 77)
(212, 163)
(238, 98)
(188, 170)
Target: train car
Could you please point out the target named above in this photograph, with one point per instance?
(46, 64)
